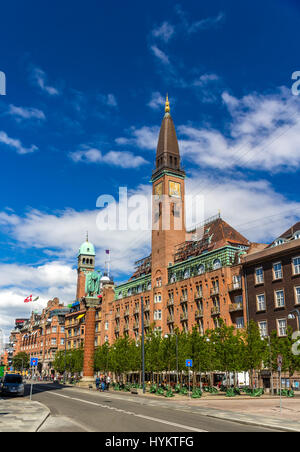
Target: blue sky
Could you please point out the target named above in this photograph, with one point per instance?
(85, 89)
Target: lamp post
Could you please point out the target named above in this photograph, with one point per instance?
(65, 358)
(292, 316)
(143, 345)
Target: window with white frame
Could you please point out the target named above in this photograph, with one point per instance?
(279, 299)
(54, 329)
(263, 328)
(238, 299)
(106, 326)
(296, 265)
(240, 324)
(157, 298)
(259, 275)
(277, 270)
(236, 280)
(157, 314)
(282, 327)
(297, 293)
(261, 302)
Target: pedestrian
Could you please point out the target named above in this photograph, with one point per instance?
(97, 383)
(107, 382)
(103, 385)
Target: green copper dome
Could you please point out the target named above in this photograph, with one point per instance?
(87, 249)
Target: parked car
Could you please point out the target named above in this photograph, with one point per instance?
(12, 384)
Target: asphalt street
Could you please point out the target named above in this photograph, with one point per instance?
(77, 410)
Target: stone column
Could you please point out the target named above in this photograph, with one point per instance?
(89, 343)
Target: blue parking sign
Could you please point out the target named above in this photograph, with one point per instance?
(189, 363)
(34, 362)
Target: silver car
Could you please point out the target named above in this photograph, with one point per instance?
(12, 385)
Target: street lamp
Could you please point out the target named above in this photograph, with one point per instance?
(292, 316)
(143, 345)
(177, 370)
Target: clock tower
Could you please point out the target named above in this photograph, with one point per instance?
(168, 213)
(86, 264)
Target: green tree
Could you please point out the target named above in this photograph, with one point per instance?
(21, 361)
(256, 349)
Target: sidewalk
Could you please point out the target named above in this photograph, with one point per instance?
(19, 415)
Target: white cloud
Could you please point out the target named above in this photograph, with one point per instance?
(115, 158)
(199, 25)
(160, 55)
(157, 101)
(264, 135)
(164, 32)
(21, 113)
(16, 144)
(108, 99)
(143, 138)
(253, 207)
(46, 281)
(39, 78)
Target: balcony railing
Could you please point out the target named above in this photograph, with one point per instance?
(235, 307)
(170, 302)
(199, 313)
(147, 308)
(183, 299)
(126, 313)
(136, 326)
(235, 286)
(215, 310)
(117, 315)
(137, 310)
(198, 296)
(214, 291)
(170, 319)
(184, 317)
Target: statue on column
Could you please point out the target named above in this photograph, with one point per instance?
(92, 286)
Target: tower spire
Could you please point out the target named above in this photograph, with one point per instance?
(167, 105)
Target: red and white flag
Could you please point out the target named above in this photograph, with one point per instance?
(29, 299)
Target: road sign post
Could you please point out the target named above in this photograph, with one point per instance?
(189, 364)
(33, 363)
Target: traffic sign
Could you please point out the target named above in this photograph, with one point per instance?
(189, 363)
(34, 362)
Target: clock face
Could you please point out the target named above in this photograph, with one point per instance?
(158, 189)
(174, 189)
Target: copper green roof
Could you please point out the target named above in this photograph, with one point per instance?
(87, 249)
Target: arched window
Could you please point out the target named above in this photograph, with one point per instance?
(83, 260)
(216, 264)
(186, 273)
(201, 269)
(173, 278)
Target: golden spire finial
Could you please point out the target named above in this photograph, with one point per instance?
(167, 107)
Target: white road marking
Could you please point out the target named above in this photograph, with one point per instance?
(142, 416)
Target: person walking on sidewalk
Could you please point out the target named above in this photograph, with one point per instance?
(107, 382)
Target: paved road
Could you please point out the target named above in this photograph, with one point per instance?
(76, 410)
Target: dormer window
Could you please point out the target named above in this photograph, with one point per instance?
(296, 235)
(279, 241)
